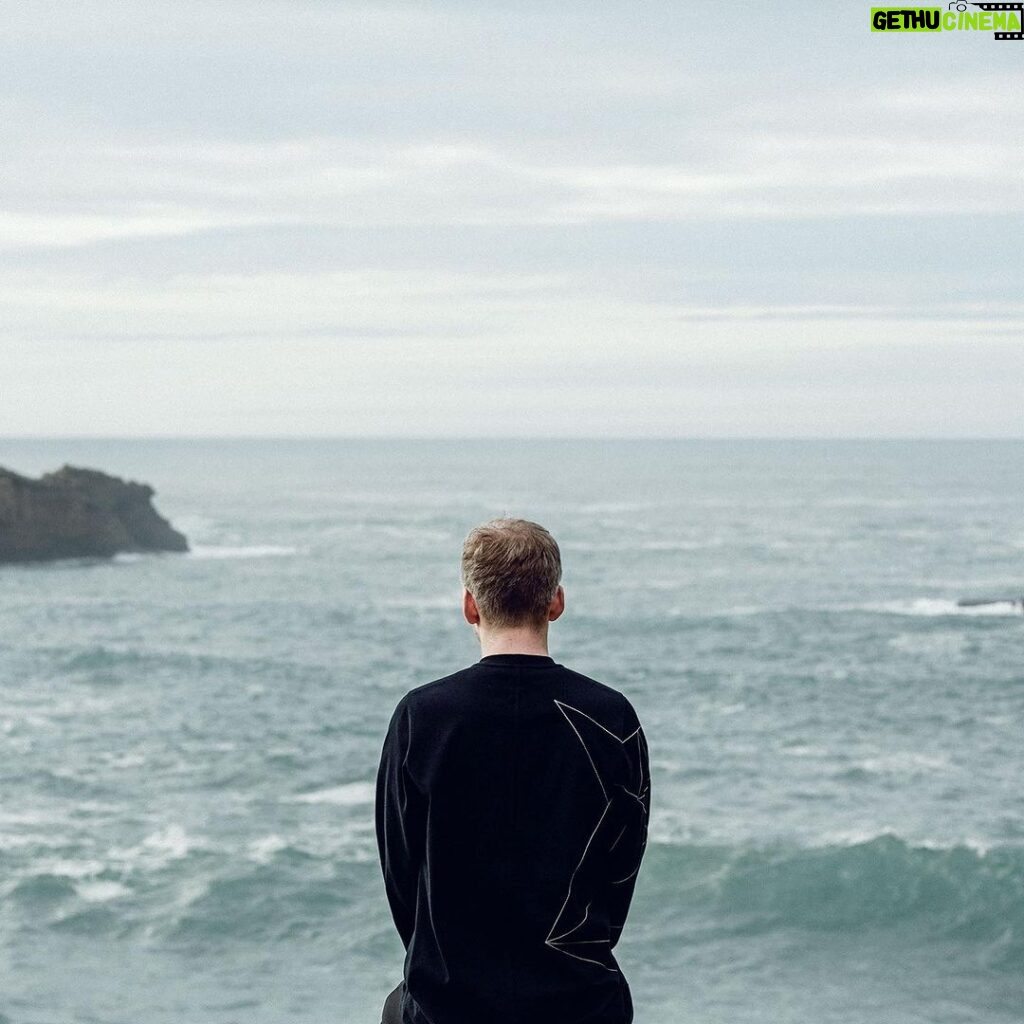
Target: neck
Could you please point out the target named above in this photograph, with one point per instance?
(513, 641)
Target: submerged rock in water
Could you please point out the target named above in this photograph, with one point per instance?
(982, 602)
(75, 513)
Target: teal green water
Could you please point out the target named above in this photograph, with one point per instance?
(187, 743)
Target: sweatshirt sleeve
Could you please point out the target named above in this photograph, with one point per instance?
(399, 825)
(634, 798)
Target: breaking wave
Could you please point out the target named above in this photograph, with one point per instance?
(961, 893)
(934, 607)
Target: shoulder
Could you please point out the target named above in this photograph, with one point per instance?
(600, 700)
(600, 691)
(437, 691)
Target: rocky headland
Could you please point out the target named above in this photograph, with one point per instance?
(79, 513)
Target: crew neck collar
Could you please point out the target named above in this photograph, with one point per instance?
(517, 659)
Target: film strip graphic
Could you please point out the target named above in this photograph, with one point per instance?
(1018, 7)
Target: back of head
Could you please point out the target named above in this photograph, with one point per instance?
(512, 567)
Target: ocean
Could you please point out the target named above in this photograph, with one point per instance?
(188, 742)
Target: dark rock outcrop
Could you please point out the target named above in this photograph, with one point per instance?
(75, 513)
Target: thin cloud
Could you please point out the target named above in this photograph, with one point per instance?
(455, 217)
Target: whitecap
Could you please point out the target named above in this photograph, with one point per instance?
(119, 760)
(803, 750)
(347, 795)
(29, 817)
(68, 868)
(731, 709)
(979, 846)
(171, 840)
(263, 849)
(100, 890)
(932, 607)
(904, 761)
(681, 545)
(157, 849)
(204, 551)
(858, 836)
(31, 841)
(853, 836)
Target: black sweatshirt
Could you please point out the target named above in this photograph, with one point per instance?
(511, 816)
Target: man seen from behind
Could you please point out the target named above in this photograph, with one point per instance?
(511, 813)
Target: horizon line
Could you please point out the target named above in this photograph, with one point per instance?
(512, 438)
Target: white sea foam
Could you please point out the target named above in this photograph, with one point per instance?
(214, 551)
(979, 846)
(902, 761)
(31, 841)
(171, 840)
(411, 532)
(853, 836)
(100, 890)
(67, 868)
(674, 827)
(119, 760)
(999, 720)
(352, 840)
(262, 850)
(803, 750)
(731, 709)
(857, 836)
(204, 551)
(934, 607)
(696, 544)
(976, 584)
(157, 850)
(281, 750)
(348, 795)
(29, 817)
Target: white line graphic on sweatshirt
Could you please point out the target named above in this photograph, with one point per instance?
(586, 879)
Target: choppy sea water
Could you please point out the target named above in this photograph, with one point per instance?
(188, 742)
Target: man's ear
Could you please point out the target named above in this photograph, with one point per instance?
(557, 605)
(469, 608)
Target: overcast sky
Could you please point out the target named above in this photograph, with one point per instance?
(518, 218)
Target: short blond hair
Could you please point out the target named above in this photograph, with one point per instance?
(512, 567)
